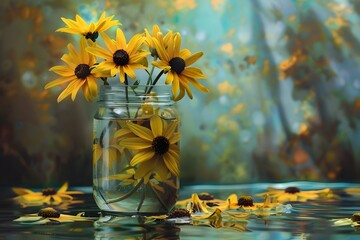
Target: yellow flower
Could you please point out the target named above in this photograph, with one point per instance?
(156, 148)
(156, 35)
(48, 195)
(51, 216)
(291, 194)
(193, 204)
(79, 72)
(120, 57)
(89, 31)
(175, 63)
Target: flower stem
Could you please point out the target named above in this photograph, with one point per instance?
(127, 94)
(128, 194)
(155, 81)
(143, 192)
(105, 81)
(159, 198)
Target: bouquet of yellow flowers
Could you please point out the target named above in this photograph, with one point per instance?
(135, 149)
(121, 57)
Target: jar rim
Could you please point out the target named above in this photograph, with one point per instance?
(135, 85)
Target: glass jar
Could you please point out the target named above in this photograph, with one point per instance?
(136, 150)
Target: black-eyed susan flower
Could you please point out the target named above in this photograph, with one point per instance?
(260, 209)
(89, 31)
(46, 196)
(193, 204)
(176, 63)
(291, 194)
(52, 216)
(156, 148)
(156, 35)
(119, 56)
(79, 71)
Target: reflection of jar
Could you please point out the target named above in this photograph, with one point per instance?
(136, 150)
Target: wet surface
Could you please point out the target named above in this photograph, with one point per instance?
(308, 220)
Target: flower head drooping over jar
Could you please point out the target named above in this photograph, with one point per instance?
(136, 128)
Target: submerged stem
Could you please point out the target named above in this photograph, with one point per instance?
(155, 81)
(143, 192)
(159, 198)
(127, 94)
(128, 194)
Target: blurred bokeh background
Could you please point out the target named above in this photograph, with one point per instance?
(283, 75)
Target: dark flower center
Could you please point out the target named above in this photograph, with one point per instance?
(177, 64)
(49, 191)
(246, 201)
(355, 217)
(292, 190)
(206, 196)
(93, 36)
(82, 71)
(49, 213)
(211, 204)
(160, 145)
(179, 213)
(121, 57)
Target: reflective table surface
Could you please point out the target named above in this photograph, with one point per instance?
(305, 220)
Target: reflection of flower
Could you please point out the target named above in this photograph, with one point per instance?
(295, 194)
(120, 57)
(156, 148)
(176, 63)
(353, 191)
(48, 195)
(223, 220)
(89, 31)
(354, 221)
(51, 216)
(110, 151)
(79, 72)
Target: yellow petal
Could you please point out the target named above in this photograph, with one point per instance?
(100, 52)
(175, 138)
(21, 191)
(193, 58)
(63, 71)
(193, 72)
(63, 188)
(60, 81)
(141, 156)
(76, 89)
(156, 126)
(120, 39)
(177, 44)
(110, 43)
(169, 131)
(171, 164)
(170, 78)
(128, 70)
(122, 133)
(141, 131)
(161, 51)
(175, 84)
(135, 143)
